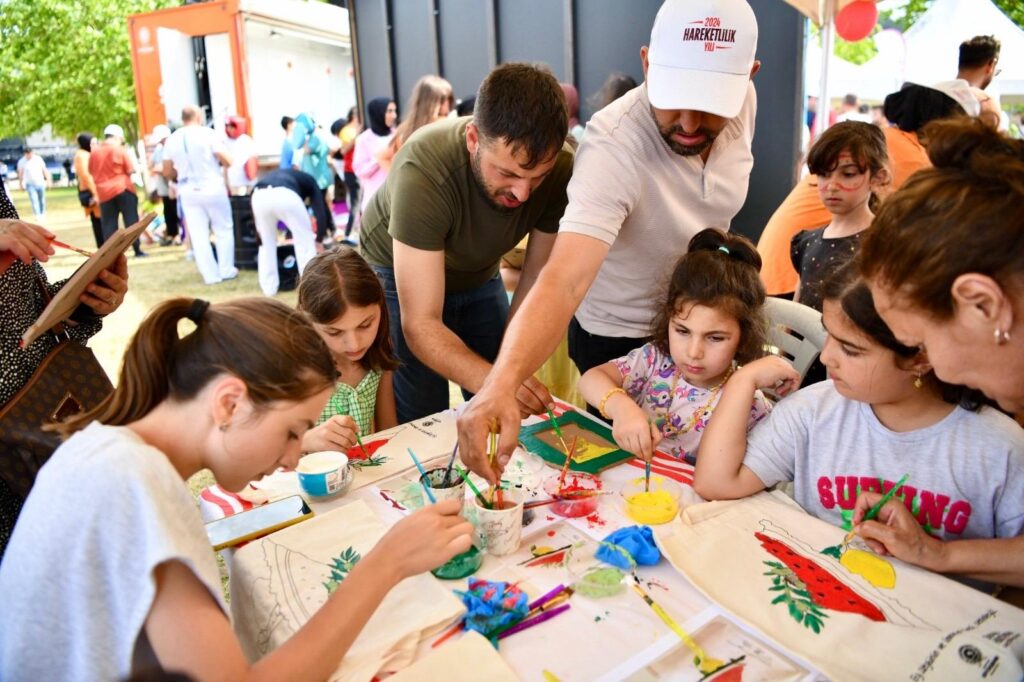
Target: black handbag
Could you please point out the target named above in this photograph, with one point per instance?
(68, 381)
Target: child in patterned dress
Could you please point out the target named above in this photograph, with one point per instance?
(343, 298)
(662, 394)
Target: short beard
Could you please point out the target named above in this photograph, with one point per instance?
(481, 185)
(688, 150)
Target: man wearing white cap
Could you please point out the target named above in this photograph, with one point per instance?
(111, 167)
(195, 157)
(661, 163)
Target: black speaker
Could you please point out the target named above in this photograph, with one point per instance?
(247, 242)
(287, 268)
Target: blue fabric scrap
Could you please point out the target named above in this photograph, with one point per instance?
(637, 541)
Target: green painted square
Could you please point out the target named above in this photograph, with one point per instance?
(528, 436)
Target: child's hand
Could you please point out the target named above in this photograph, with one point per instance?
(895, 532)
(633, 431)
(426, 539)
(337, 433)
(770, 372)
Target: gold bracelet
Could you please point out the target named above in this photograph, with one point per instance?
(609, 394)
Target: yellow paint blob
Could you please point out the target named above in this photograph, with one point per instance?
(654, 507)
(586, 451)
(869, 566)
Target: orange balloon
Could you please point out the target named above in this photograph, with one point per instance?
(856, 21)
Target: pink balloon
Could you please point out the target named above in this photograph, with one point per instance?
(855, 21)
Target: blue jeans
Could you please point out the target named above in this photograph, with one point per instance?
(37, 195)
(476, 316)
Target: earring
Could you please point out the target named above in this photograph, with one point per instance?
(223, 427)
(1002, 336)
(917, 382)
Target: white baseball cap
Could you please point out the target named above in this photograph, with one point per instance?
(700, 55)
(113, 130)
(160, 132)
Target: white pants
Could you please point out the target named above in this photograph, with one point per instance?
(270, 205)
(203, 208)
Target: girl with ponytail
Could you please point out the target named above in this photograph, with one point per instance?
(232, 388)
(711, 320)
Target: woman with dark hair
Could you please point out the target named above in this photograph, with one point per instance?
(381, 114)
(615, 86)
(87, 186)
(945, 263)
(23, 247)
(909, 110)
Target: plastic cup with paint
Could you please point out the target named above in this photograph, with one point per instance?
(461, 565)
(660, 504)
(592, 574)
(452, 488)
(500, 530)
(325, 473)
(573, 503)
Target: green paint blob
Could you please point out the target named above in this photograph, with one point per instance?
(833, 551)
(600, 582)
(460, 565)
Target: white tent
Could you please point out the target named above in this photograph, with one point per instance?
(872, 80)
(933, 43)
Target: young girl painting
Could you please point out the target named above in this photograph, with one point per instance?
(663, 393)
(345, 302)
(883, 414)
(850, 162)
(110, 564)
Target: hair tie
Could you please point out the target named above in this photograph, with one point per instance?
(725, 250)
(197, 310)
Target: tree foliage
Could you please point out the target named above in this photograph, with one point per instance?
(67, 63)
(902, 18)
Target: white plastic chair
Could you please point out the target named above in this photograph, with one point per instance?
(794, 332)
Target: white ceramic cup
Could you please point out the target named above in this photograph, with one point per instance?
(501, 530)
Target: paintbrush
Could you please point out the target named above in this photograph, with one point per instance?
(492, 455)
(69, 247)
(558, 430)
(479, 496)
(362, 447)
(570, 495)
(530, 622)
(451, 461)
(705, 664)
(647, 463)
(423, 477)
(565, 467)
(876, 507)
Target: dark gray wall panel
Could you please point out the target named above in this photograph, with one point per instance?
(533, 31)
(372, 45)
(582, 41)
(777, 134)
(467, 43)
(609, 35)
(414, 37)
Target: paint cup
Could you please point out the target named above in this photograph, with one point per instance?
(461, 565)
(571, 507)
(659, 504)
(451, 489)
(599, 569)
(322, 474)
(500, 530)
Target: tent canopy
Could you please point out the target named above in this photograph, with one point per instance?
(809, 8)
(933, 43)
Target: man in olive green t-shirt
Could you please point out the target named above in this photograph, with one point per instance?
(460, 194)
